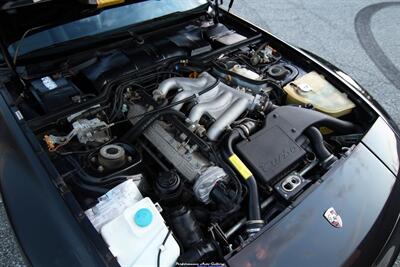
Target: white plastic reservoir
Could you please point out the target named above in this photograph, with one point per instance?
(114, 203)
(136, 236)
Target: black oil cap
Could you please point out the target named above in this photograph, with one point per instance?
(168, 183)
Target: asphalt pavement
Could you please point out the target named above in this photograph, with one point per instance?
(362, 37)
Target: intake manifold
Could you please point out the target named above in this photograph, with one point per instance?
(223, 103)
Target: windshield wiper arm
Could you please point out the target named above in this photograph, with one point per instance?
(230, 5)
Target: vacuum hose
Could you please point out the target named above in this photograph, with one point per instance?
(254, 222)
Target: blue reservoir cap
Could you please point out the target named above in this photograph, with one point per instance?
(143, 217)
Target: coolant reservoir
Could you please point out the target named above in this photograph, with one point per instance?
(312, 88)
(136, 236)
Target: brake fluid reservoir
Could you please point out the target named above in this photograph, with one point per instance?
(137, 235)
(312, 88)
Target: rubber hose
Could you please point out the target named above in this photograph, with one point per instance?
(92, 190)
(254, 203)
(88, 179)
(338, 125)
(317, 142)
(302, 118)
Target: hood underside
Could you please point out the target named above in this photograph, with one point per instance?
(19, 16)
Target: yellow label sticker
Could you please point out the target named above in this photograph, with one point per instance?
(240, 167)
(104, 3)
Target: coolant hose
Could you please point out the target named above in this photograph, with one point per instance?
(317, 142)
(254, 215)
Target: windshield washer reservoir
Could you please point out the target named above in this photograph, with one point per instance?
(136, 236)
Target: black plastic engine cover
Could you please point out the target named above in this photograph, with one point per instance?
(270, 153)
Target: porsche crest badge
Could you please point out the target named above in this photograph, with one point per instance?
(333, 218)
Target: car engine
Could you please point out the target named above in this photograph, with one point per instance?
(203, 151)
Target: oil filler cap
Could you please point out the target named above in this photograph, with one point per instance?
(143, 217)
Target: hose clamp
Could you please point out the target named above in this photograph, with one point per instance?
(327, 163)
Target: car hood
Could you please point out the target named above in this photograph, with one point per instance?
(362, 189)
(19, 16)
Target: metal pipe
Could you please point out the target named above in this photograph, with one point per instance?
(218, 104)
(230, 115)
(308, 168)
(179, 97)
(188, 84)
(224, 103)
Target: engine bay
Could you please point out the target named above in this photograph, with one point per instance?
(193, 140)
